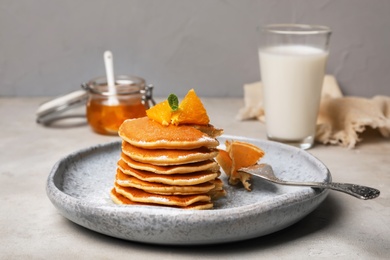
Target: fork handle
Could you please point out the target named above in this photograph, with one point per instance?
(358, 191)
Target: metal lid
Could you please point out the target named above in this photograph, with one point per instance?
(50, 110)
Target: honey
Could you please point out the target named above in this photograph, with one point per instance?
(106, 119)
(106, 111)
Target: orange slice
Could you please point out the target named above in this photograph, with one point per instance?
(243, 154)
(160, 113)
(237, 155)
(191, 111)
(224, 161)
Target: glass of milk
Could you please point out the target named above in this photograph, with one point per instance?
(292, 67)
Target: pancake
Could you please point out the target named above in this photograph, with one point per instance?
(168, 157)
(137, 195)
(172, 179)
(218, 184)
(209, 165)
(210, 130)
(165, 189)
(120, 199)
(217, 194)
(148, 134)
(169, 164)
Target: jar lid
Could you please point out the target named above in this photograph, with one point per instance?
(125, 85)
(50, 110)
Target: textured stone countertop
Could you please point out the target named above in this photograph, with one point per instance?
(31, 227)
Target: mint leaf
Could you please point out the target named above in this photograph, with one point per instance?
(173, 102)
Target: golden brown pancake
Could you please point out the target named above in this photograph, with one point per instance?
(209, 165)
(167, 156)
(210, 130)
(148, 134)
(216, 194)
(218, 184)
(137, 195)
(192, 178)
(120, 199)
(167, 165)
(165, 189)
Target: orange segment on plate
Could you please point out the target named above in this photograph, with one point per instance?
(224, 161)
(238, 155)
(191, 111)
(244, 154)
(160, 113)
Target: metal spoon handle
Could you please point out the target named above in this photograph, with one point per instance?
(358, 191)
(266, 172)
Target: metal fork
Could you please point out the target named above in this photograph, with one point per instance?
(266, 172)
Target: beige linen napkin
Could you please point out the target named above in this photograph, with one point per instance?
(340, 119)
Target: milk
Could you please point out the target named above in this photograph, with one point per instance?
(292, 77)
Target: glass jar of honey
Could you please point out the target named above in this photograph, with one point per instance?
(106, 111)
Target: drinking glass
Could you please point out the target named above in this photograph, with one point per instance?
(292, 66)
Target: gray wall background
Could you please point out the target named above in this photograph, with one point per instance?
(48, 47)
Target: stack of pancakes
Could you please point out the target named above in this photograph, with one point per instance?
(167, 165)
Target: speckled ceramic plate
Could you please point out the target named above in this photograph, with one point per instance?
(79, 187)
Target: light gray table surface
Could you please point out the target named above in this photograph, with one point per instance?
(31, 227)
